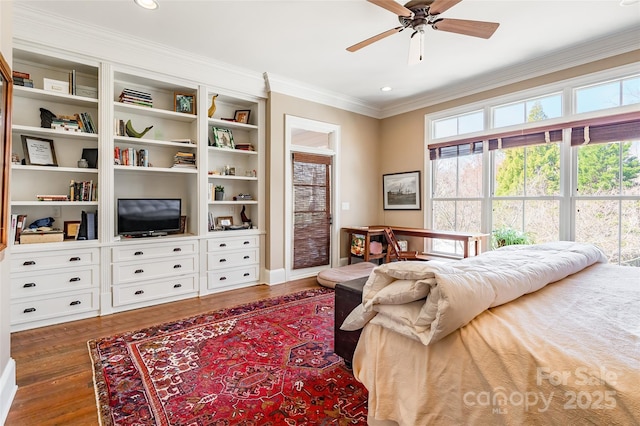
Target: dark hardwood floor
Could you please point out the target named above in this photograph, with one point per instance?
(54, 374)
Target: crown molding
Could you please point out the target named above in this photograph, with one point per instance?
(594, 50)
(130, 52)
(286, 86)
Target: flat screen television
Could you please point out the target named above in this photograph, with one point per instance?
(148, 217)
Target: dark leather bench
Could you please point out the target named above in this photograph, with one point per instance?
(348, 295)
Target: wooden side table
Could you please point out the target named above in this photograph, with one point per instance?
(348, 295)
(367, 232)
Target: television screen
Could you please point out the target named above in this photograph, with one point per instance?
(148, 216)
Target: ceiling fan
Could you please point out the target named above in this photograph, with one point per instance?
(417, 14)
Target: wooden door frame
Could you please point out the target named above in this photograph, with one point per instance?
(333, 130)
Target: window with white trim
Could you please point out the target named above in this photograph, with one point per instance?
(545, 180)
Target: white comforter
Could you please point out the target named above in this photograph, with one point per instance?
(426, 301)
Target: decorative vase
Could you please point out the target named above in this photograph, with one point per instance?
(219, 195)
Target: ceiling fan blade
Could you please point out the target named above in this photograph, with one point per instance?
(392, 6)
(439, 6)
(471, 28)
(373, 39)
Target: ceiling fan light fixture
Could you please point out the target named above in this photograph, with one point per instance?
(416, 47)
(147, 4)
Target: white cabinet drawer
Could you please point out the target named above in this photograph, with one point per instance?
(161, 268)
(150, 251)
(35, 261)
(227, 277)
(233, 243)
(53, 306)
(37, 283)
(135, 293)
(228, 259)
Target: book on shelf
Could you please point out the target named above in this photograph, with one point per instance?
(183, 140)
(52, 197)
(21, 220)
(25, 82)
(245, 146)
(82, 191)
(131, 157)
(88, 229)
(18, 74)
(184, 159)
(135, 97)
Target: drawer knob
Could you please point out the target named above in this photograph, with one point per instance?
(75, 259)
(223, 244)
(138, 253)
(223, 260)
(178, 266)
(246, 274)
(74, 279)
(29, 310)
(246, 257)
(177, 285)
(223, 278)
(177, 249)
(75, 303)
(139, 271)
(139, 292)
(246, 243)
(29, 285)
(29, 263)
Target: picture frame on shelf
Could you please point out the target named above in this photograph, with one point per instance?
(39, 151)
(222, 221)
(401, 191)
(242, 116)
(71, 228)
(223, 138)
(184, 103)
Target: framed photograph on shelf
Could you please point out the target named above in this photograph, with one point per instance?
(71, 228)
(223, 138)
(38, 151)
(184, 103)
(222, 221)
(242, 116)
(401, 191)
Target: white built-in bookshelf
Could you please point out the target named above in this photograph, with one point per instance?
(174, 159)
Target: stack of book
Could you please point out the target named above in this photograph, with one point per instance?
(245, 146)
(86, 122)
(185, 159)
(66, 125)
(22, 79)
(134, 97)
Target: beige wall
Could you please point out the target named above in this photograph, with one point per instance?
(359, 168)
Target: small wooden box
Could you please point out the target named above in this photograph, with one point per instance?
(41, 237)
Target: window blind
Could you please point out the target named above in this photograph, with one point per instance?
(604, 133)
(311, 210)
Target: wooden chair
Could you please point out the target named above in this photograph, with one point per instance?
(395, 250)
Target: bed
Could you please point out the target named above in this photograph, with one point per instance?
(544, 334)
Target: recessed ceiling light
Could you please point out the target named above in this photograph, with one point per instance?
(147, 4)
(386, 89)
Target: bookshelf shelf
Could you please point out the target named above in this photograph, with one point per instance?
(217, 150)
(49, 96)
(54, 203)
(226, 177)
(234, 203)
(53, 169)
(40, 131)
(140, 169)
(145, 141)
(231, 124)
(154, 112)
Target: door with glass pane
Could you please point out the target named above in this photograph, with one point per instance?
(311, 210)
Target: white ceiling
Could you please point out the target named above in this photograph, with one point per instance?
(305, 40)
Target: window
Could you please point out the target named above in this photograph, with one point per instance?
(458, 125)
(576, 179)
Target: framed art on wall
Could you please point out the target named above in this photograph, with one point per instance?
(401, 191)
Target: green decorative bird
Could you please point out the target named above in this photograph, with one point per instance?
(131, 132)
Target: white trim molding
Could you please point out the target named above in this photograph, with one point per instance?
(8, 389)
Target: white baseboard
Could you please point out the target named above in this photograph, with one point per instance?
(277, 276)
(8, 389)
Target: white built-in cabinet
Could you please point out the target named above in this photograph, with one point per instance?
(49, 284)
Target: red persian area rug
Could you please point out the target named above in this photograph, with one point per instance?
(269, 362)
